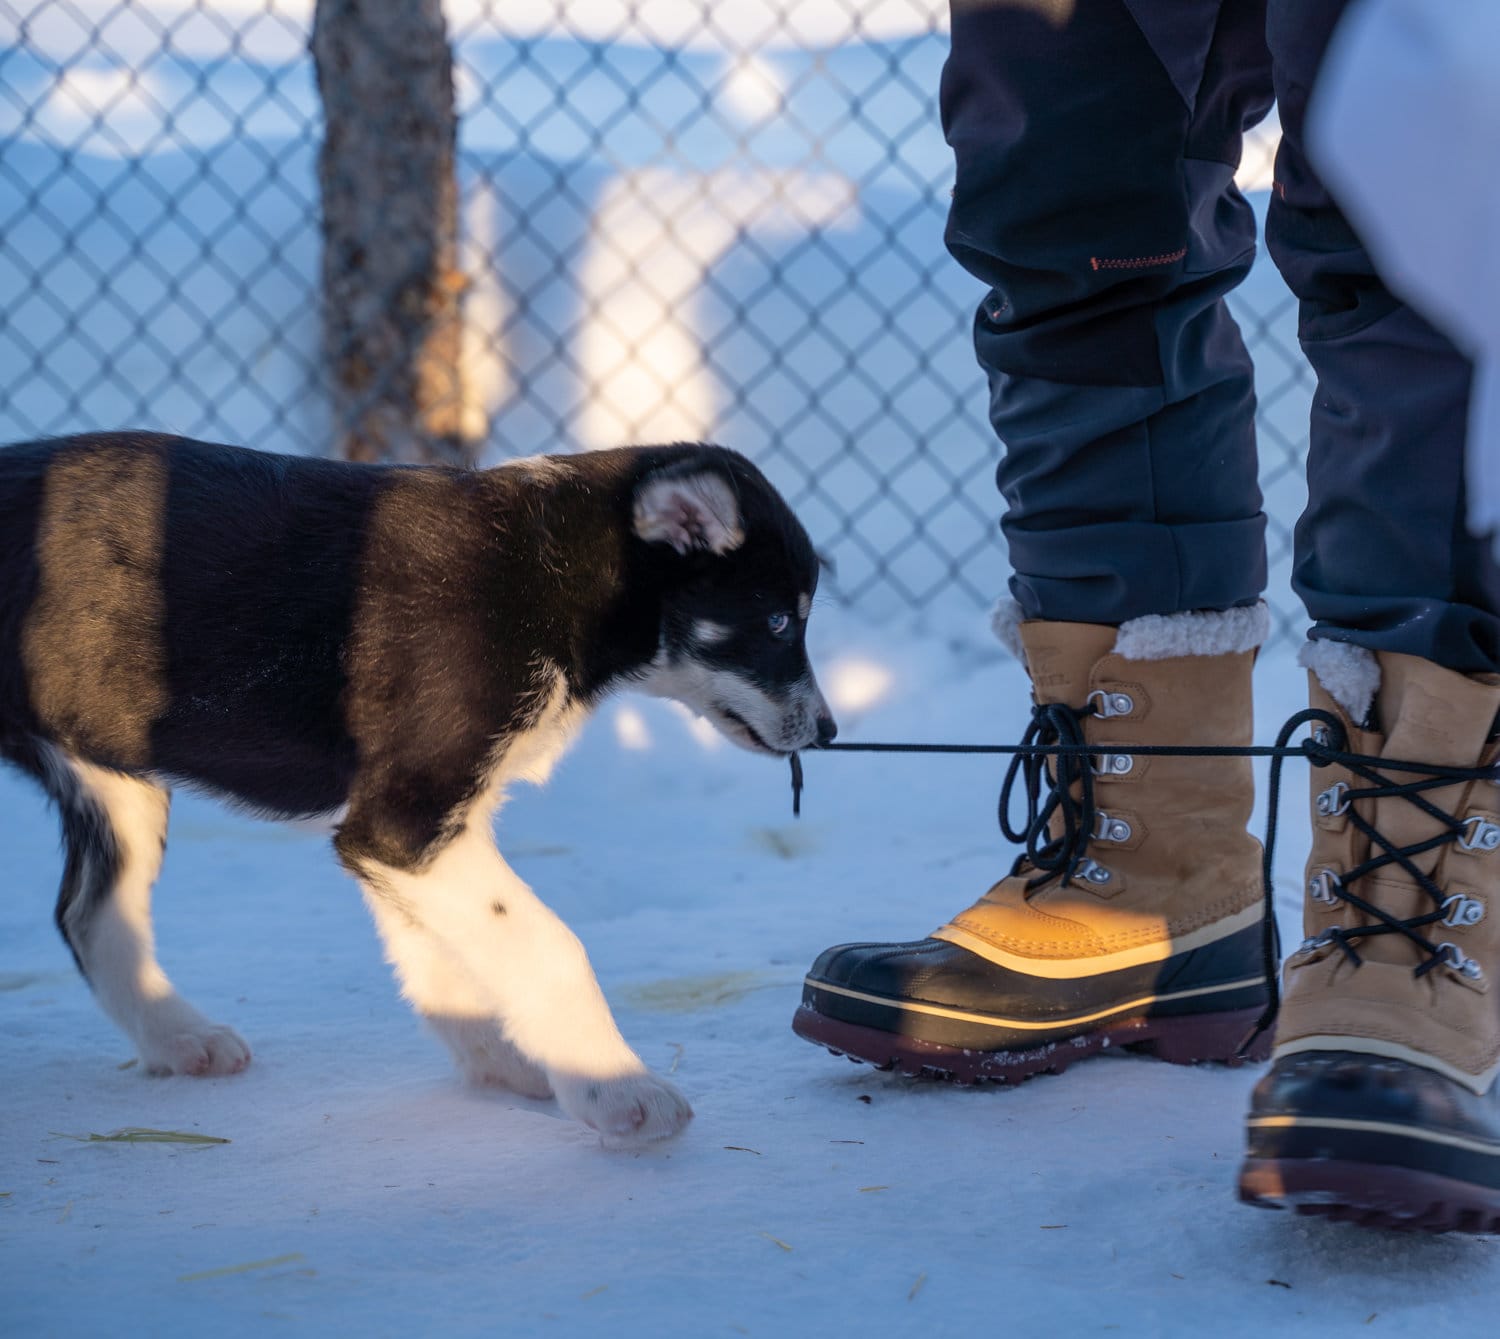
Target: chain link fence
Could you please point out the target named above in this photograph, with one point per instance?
(677, 220)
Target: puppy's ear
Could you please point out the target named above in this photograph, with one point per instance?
(695, 510)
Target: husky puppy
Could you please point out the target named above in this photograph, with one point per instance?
(391, 647)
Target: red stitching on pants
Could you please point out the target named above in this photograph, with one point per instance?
(1137, 262)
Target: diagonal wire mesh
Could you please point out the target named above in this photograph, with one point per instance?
(678, 220)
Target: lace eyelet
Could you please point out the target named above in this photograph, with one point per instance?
(1454, 957)
(1108, 828)
(1480, 834)
(1111, 764)
(1333, 801)
(1324, 887)
(1461, 910)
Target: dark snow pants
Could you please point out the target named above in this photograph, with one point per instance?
(1096, 143)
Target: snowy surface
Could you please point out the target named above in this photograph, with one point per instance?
(374, 1196)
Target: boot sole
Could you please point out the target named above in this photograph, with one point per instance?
(1370, 1195)
(1181, 1039)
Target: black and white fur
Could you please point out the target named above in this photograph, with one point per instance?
(393, 647)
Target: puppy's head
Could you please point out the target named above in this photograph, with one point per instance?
(741, 574)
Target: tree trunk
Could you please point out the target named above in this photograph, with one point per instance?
(392, 287)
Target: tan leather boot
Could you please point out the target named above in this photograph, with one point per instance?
(1134, 919)
(1382, 1104)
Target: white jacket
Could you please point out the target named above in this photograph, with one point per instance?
(1404, 128)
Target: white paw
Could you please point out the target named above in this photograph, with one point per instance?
(626, 1110)
(486, 1059)
(201, 1050)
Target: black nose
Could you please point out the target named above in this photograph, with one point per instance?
(827, 730)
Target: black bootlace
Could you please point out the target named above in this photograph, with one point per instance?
(1058, 781)
(1327, 746)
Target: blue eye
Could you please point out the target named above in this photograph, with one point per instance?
(779, 624)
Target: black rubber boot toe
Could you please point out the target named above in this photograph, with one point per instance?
(932, 1008)
(1366, 1139)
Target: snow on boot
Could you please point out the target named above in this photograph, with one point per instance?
(1382, 1105)
(1134, 917)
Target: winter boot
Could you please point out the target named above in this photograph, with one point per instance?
(1382, 1104)
(1134, 918)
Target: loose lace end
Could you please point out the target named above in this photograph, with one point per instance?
(1263, 1025)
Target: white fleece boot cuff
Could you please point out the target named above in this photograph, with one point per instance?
(1350, 674)
(1222, 632)
(1006, 622)
(1162, 636)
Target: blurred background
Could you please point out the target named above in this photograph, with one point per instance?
(479, 229)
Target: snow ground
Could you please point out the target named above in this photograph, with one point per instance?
(364, 1192)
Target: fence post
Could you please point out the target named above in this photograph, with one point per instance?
(392, 286)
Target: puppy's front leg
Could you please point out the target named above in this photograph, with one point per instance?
(533, 969)
(454, 1005)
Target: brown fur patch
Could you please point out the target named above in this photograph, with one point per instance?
(93, 635)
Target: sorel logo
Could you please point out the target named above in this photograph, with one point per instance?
(1039, 662)
(1430, 715)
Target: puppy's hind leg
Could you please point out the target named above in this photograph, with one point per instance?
(453, 1004)
(114, 834)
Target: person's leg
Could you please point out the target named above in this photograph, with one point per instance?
(1096, 147)
(1382, 1104)
(1095, 150)
(1383, 558)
